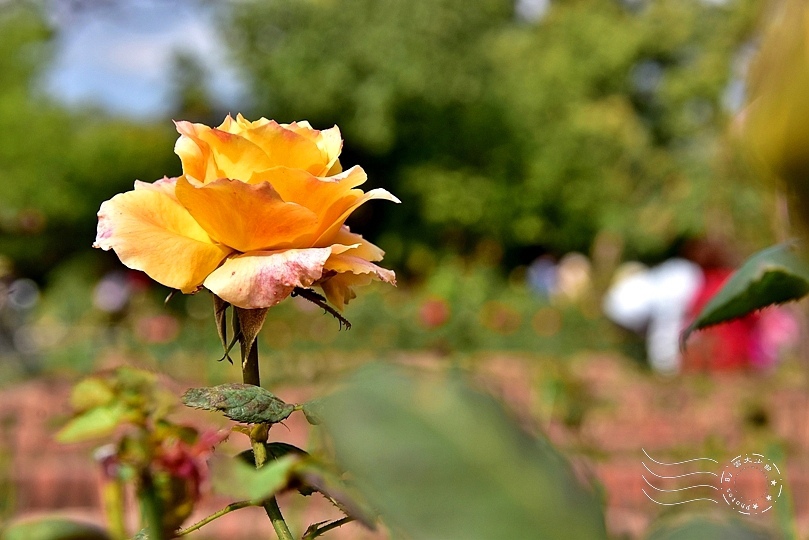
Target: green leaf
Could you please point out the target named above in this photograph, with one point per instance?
(93, 424)
(235, 478)
(313, 411)
(707, 528)
(771, 276)
(275, 450)
(440, 460)
(240, 402)
(316, 476)
(91, 392)
(53, 528)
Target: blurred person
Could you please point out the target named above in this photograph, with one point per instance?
(574, 277)
(662, 301)
(543, 276)
(655, 301)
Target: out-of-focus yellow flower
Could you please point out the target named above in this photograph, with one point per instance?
(776, 122)
(259, 210)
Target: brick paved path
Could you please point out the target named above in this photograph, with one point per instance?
(628, 411)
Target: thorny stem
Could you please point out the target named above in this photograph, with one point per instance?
(226, 510)
(250, 375)
(326, 528)
(278, 523)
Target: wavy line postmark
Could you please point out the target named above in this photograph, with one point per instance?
(748, 483)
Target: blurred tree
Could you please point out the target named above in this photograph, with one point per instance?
(192, 96)
(57, 166)
(597, 116)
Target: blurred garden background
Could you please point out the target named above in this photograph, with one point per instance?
(536, 145)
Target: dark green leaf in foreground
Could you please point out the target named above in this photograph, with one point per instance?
(313, 411)
(315, 476)
(240, 402)
(708, 528)
(52, 528)
(275, 450)
(772, 276)
(237, 479)
(440, 460)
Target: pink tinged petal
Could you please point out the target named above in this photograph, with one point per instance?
(345, 263)
(246, 217)
(165, 185)
(264, 278)
(345, 206)
(362, 248)
(150, 231)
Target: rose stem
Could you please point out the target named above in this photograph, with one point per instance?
(258, 436)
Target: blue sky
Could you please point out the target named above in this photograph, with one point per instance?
(118, 54)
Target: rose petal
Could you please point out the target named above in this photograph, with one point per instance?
(364, 249)
(242, 123)
(236, 156)
(317, 194)
(329, 142)
(194, 153)
(246, 217)
(339, 211)
(262, 279)
(344, 263)
(339, 289)
(286, 148)
(165, 185)
(150, 231)
(351, 272)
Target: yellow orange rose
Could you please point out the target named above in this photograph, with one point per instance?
(259, 210)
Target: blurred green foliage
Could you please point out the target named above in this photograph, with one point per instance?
(441, 460)
(600, 116)
(58, 165)
(535, 135)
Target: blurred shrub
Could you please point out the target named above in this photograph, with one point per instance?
(462, 309)
(535, 133)
(57, 166)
